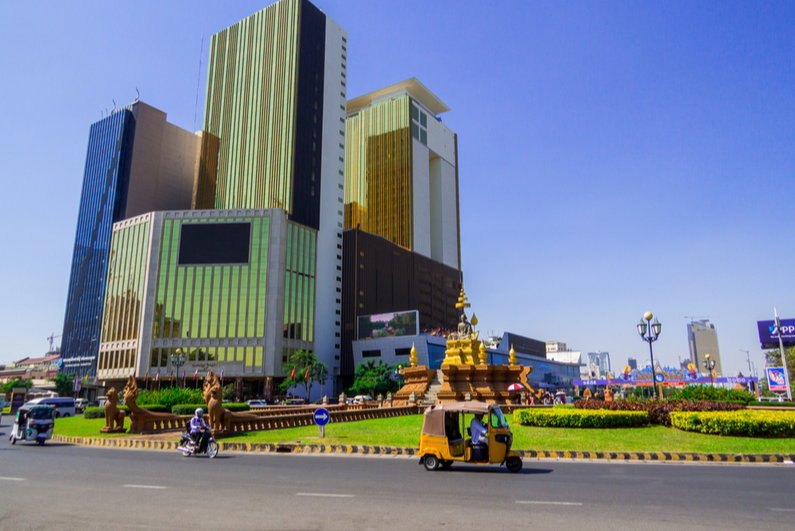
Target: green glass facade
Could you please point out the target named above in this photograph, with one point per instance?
(215, 313)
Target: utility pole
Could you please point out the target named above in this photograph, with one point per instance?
(783, 356)
(748, 358)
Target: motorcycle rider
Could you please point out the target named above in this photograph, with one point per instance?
(198, 431)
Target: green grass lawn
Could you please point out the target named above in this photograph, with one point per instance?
(80, 427)
(405, 432)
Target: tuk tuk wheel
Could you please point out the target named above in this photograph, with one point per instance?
(431, 462)
(513, 464)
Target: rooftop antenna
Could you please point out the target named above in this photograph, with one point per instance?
(114, 105)
(137, 95)
(198, 82)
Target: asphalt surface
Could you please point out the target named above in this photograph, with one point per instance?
(60, 486)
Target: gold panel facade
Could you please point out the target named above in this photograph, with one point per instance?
(378, 171)
(251, 107)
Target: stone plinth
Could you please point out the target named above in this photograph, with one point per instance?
(485, 383)
(417, 380)
(461, 352)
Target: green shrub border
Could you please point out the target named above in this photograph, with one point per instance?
(582, 418)
(764, 424)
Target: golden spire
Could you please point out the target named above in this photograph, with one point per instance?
(482, 354)
(512, 356)
(462, 299)
(413, 357)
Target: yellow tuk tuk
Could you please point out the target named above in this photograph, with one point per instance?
(446, 437)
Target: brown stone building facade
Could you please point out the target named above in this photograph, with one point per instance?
(379, 276)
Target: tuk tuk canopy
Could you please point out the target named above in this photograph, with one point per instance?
(434, 419)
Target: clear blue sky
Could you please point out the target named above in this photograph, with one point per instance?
(614, 157)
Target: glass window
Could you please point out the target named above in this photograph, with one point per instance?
(498, 419)
(423, 119)
(423, 136)
(415, 131)
(415, 113)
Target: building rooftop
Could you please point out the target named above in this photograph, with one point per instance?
(411, 86)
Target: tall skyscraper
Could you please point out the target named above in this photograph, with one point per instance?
(703, 339)
(276, 94)
(601, 360)
(136, 162)
(401, 171)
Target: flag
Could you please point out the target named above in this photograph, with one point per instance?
(183, 375)
(195, 374)
(222, 376)
(145, 376)
(306, 376)
(292, 376)
(157, 376)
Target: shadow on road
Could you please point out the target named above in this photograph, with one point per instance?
(497, 470)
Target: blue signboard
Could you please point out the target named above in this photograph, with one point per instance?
(660, 377)
(775, 379)
(768, 334)
(321, 416)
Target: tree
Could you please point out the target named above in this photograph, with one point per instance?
(320, 374)
(304, 369)
(16, 382)
(64, 384)
(373, 378)
(773, 359)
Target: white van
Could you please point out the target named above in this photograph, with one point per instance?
(64, 407)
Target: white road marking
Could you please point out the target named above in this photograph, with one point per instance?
(11, 479)
(145, 487)
(324, 495)
(782, 510)
(548, 503)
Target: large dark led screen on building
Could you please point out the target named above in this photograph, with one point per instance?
(214, 243)
(394, 324)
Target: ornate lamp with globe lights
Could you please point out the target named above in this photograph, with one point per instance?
(178, 359)
(649, 332)
(709, 364)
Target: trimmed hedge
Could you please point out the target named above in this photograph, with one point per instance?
(659, 410)
(773, 404)
(169, 397)
(581, 418)
(737, 423)
(99, 412)
(190, 409)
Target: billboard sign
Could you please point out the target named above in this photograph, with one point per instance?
(775, 379)
(393, 324)
(768, 333)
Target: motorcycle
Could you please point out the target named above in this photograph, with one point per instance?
(188, 446)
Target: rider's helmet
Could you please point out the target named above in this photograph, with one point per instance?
(199, 412)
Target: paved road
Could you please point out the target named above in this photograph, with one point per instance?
(82, 488)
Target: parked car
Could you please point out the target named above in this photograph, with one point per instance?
(257, 403)
(64, 407)
(361, 399)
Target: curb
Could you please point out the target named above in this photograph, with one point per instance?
(394, 450)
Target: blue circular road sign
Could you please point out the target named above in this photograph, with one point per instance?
(659, 377)
(321, 416)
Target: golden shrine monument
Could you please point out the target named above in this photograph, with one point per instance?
(464, 372)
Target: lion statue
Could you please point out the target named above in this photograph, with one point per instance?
(114, 417)
(214, 396)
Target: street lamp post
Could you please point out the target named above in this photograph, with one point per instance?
(709, 364)
(178, 360)
(649, 332)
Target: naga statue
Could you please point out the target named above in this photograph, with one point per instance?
(114, 417)
(214, 395)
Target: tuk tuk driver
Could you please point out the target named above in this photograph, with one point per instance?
(480, 433)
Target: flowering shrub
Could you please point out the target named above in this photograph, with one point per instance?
(746, 423)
